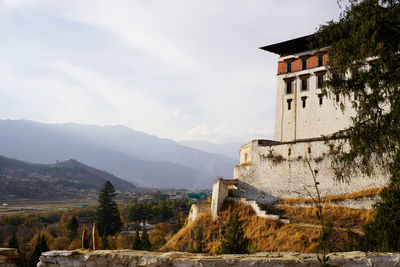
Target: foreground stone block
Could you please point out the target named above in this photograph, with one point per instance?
(130, 258)
(8, 257)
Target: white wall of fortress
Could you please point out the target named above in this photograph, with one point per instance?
(271, 173)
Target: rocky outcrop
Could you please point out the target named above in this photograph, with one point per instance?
(133, 258)
(8, 257)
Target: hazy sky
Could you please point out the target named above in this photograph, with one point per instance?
(185, 70)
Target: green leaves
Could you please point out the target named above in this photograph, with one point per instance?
(363, 52)
(107, 217)
(234, 241)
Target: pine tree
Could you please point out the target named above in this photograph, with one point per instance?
(364, 61)
(145, 242)
(73, 224)
(234, 241)
(108, 218)
(136, 240)
(40, 247)
(198, 238)
(104, 241)
(383, 234)
(180, 222)
(13, 242)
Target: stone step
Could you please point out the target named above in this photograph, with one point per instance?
(258, 210)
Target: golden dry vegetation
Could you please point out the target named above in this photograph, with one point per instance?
(269, 235)
(369, 192)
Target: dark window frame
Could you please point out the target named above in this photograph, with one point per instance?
(289, 89)
(304, 63)
(289, 66)
(304, 81)
(289, 102)
(337, 97)
(321, 99)
(320, 80)
(320, 60)
(304, 101)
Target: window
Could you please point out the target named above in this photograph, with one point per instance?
(337, 97)
(321, 99)
(303, 101)
(355, 97)
(309, 149)
(289, 104)
(320, 80)
(304, 64)
(289, 152)
(320, 60)
(288, 67)
(304, 84)
(289, 86)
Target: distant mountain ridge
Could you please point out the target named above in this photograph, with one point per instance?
(135, 156)
(70, 178)
(230, 150)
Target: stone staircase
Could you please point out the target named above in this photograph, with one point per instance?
(258, 210)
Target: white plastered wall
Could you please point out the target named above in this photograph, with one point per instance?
(273, 174)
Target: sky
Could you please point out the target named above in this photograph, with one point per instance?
(178, 69)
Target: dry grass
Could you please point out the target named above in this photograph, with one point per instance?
(268, 235)
(370, 192)
(341, 217)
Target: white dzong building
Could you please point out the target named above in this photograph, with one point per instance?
(272, 169)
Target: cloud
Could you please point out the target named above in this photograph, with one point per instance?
(176, 69)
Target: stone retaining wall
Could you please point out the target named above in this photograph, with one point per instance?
(8, 257)
(272, 172)
(119, 258)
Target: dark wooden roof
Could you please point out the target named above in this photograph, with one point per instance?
(289, 47)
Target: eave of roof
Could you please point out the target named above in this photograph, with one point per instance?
(289, 47)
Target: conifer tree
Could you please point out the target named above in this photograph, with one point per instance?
(234, 241)
(383, 233)
(107, 217)
(73, 224)
(40, 247)
(104, 245)
(198, 238)
(136, 240)
(180, 222)
(145, 242)
(364, 61)
(13, 242)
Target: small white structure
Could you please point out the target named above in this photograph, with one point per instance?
(273, 169)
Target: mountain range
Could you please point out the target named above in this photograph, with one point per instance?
(69, 178)
(135, 156)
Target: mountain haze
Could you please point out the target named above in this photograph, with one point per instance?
(19, 179)
(230, 150)
(135, 156)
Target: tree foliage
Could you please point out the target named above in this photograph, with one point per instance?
(234, 241)
(13, 242)
(383, 234)
(108, 218)
(364, 62)
(73, 224)
(199, 244)
(136, 244)
(40, 247)
(104, 245)
(180, 222)
(144, 240)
